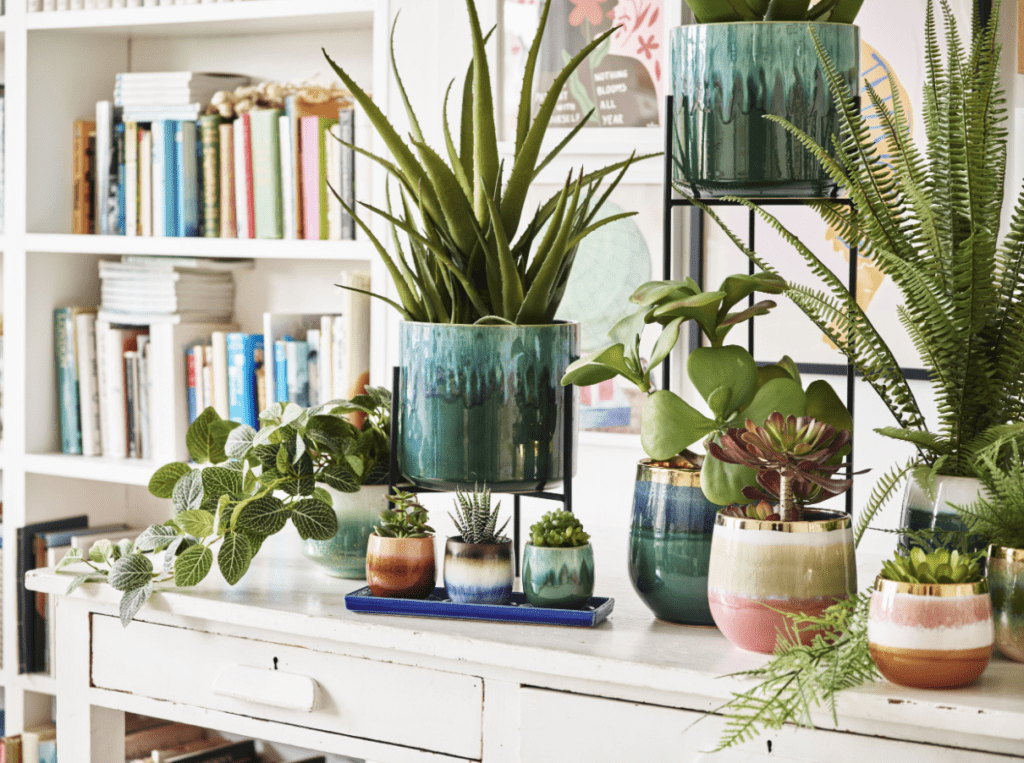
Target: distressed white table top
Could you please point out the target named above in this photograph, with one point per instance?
(284, 593)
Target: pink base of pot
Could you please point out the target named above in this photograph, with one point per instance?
(751, 625)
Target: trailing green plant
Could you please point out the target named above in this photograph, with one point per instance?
(407, 518)
(930, 222)
(474, 518)
(558, 529)
(247, 486)
(732, 385)
(997, 516)
(795, 459)
(462, 261)
(938, 566)
(833, 11)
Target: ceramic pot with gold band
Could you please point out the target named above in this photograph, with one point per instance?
(762, 570)
(1006, 584)
(670, 541)
(930, 636)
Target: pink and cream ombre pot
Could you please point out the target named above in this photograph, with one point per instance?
(761, 570)
(930, 636)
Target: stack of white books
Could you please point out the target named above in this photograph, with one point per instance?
(141, 290)
(149, 96)
(89, 5)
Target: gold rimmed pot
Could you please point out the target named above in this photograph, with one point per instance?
(762, 571)
(1006, 584)
(926, 636)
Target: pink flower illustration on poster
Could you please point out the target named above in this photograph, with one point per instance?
(641, 29)
(586, 10)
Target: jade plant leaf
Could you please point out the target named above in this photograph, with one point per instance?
(653, 292)
(607, 364)
(702, 308)
(668, 425)
(711, 368)
(782, 395)
(825, 405)
(723, 483)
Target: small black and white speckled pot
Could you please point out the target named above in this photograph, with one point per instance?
(478, 573)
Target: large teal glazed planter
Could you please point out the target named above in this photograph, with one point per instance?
(727, 77)
(558, 577)
(670, 543)
(1005, 571)
(483, 405)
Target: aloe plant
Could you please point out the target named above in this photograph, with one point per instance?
(468, 257)
(834, 11)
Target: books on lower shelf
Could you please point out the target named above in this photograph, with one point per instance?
(160, 166)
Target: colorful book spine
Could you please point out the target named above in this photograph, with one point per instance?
(219, 368)
(241, 203)
(347, 133)
(104, 146)
(145, 182)
(117, 182)
(242, 400)
(227, 181)
(266, 172)
(209, 129)
(190, 383)
(185, 152)
(297, 359)
(133, 403)
(333, 160)
(144, 396)
(313, 343)
(88, 384)
(288, 199)
(250, 198)
(326, 363)
(67, 376)
(83, 197)
(131, 178)
(165, 180)
(280, 372)
(291, 112)
(314, 176)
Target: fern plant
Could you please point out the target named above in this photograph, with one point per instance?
(998, 514)
(929, 221)
(833, 11)
(461, 262)
(474, 518)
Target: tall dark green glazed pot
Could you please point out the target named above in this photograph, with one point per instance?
(483, 404)
(670, 542)
(727, 77)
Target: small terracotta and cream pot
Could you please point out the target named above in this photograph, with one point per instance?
(400, 567)
(1005, 572)
(478, 573)
(930, 636)
(761, 570)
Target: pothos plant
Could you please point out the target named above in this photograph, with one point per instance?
(245, 486)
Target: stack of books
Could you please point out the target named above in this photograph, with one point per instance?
(150, 165)
(225, 374)
(37, 6)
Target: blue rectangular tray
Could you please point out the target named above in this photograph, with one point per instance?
(518, 610)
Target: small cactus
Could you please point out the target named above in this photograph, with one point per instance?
(474, 518)
(406, 520)
(940, 566)
(558, 529)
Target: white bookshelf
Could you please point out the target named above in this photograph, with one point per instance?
(55, 66)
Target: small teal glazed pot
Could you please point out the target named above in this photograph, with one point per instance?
(670, 542)
(478, 573)
(483, 405)
(1005, 573)
(727, 77)
(558, 577)
(344, 555)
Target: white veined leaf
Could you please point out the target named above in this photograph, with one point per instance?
(192, 565)
(132, 601)
(130, 572)
(156, 537)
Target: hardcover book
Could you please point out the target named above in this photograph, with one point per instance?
(266, 172)
(165, 185)
(82, 160)
(209, 128)
(314, 176)
(67, 378)
(185, 152)
(242, 401)
(228, 227)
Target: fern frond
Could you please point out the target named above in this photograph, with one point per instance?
(881, 494)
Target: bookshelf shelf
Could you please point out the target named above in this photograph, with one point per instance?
(120, 470)
(265, 16)
(40, 683)
(341, 251)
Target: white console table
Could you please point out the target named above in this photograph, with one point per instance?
(280, 658)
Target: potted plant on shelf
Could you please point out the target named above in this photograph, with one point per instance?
(768, 562)
(400, 554)
(930, 621)
(558, 562)
(478, 566)
(479, 285)
(678, 493)
(960, 287)
(747, 60)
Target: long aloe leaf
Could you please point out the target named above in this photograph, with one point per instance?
(511, 286)
(538, 298)
(454, 205)
(423, 277)
(549, 235)
(485, 140)
(845, 12)
(526, 93)
(787, 10)
(453, 154)
(466, 121)
(575, 240)
(413, 122)
(401, 310)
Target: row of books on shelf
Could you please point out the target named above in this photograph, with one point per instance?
(40, 6)
(153, 164)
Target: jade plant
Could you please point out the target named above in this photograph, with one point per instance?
(726, 377)
(832, 11)
(474, 518)
(470, 254)
(937, 567)
(558, 529)
(244, 487)
(795, 459)
(407, 518)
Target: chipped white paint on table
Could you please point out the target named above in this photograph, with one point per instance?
(280, 658)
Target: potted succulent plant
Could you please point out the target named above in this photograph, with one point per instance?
(748, 59)
(678, 493)
(400, 554)
(768, 562)
(479, 284)
(478, 566)
(558, 562)
(959, 292)
(930, 621)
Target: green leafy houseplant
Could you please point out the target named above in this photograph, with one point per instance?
(475, 520)
(558, 529)
(930, 222)
(997, 517)
(247, 487)
(725, 376)
(834, 11)
(406, 519)
(462, 261)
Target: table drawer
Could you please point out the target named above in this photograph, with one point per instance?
(397, 704)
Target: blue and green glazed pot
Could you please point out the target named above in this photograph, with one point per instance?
(478, 573)
(936, 511)
(1005, 573)
(670, 542)
(558, 577)
(482, 405)
(727, 77)
(344, 555)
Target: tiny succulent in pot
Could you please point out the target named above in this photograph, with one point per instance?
(478, 567)
(475, 519)
(407, 518)
(400, 552)
(828, 11)
(558, 563)
(558, 529)
(940, 566)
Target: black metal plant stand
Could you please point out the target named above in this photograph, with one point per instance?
(395, 478)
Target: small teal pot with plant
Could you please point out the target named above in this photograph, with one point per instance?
(558, 563)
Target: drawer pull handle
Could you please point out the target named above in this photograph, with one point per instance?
(289, 691)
